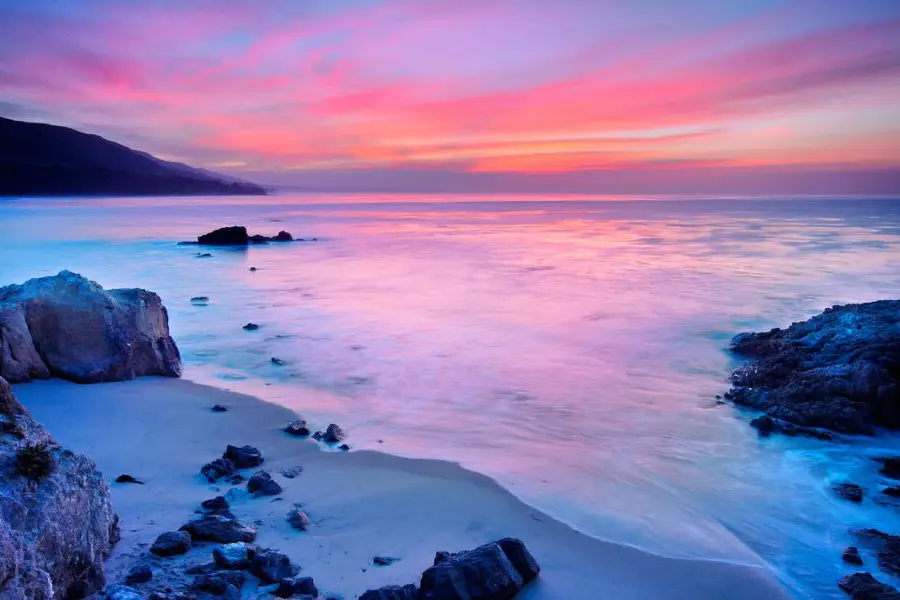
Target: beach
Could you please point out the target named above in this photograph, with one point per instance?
(361, 503)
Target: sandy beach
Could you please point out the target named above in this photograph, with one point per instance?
(361, 503)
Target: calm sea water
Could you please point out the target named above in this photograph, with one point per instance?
(571, 348)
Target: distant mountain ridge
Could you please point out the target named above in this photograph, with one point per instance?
(38, 159)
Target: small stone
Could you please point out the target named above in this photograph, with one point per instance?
(121, 592)
(848, 491)
(217, 583)
(392, 592)
(236, 479)
(252, 269)
(216, 528)
(139, 574)
(262, 484)
(384, 561)
(297, 428)
(128, 479)
(318, 435)
(219, 408)
(851, 555)
(251, 327)
(298, 519)
(292, 472)
(215, 470)
(234, 556)
(271, 566)
(203, 255)
(333, 434)
(171, 543)
(294, 586)
(277, 361)
(243, 456)
(344, 447)
(199, 300)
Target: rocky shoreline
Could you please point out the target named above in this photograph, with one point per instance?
(829, 377)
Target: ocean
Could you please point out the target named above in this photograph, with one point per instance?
(572, 347)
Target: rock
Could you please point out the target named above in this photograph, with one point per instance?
(216, 528)
(262, 484)
(225, 236)
(219, 408)
(251, 327)
(84, 333)
(234, 556)
(235, 479)
(199, 299)
(128, 479)
(292, 472)
(344, 447)
(203, 569)
(839, 370)
(204, 255)
(392, 592)
(893, 491)
(848, 491)
(139, 574)
(318, 435)
(19, 360)
(283, 236)
(298, 519)
(496, 570)
(890, 466)
(297, 428)
(258, 239)
(252, 269)
(54, 532)
(766, 425)
(171, 543)
(333, 434)
(440, 556)
(243, 456)
(277, 361)
(214, 505)
(851, 556)
(271, 566)
(217, 583)
(171, 595)
(384, 561)
(119, 592)
(887, 548)
(215, 470)
(296, 586)
(862, 586)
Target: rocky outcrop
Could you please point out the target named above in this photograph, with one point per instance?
(216, 528)
(862, 586)
(76, 330)
(839, 370)
(496, 570)
(237, 236)
(392, 592)
(55, 532)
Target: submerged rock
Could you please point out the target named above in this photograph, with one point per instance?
(839, 370)
(277, 361)
(56, 531)
(496, 570)
(262, 484)
(848, 491)
(199, 299)
(251, 327)
(392, 592)
(890, 466)
(216, 528)
(125, 478)
(171, 543)
(219, 408)
(887, 548)
(851, 556)
(243, 456)
(84, 333)
(766, 425)
(862, 586)
(384, 561)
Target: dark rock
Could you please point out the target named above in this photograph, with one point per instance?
(225, 236)
(271, 566)
(200, 299)
(204, 255)
(384, 561)
(344, 447)
(392, 592)
(171, 543)
(203, 569)
(887, 548)
(84, 333)
(862, 586)
(766, 425)
(292, 472)
(234, 556)
(262, 484)
(258, 239)
(219, 408)
(251, 327)
(298, 519)
(333, 434)
(214, 505)
(520, 558)
(890, 466)
(839, 370)
(216, 528)
(117, 592)
(215, 470)
(243, 456)
(55, 533)
(171, 595)
(318, 435)
(128, 479)
(297, 428)
(139, 574)
(851, 556)
(218, 582)
(252, 269)
(893, 491)
(235, 479)
(283, 236)
(484, 573)
(296, 586)
(277, 361)
(848, 491)
(440, 556)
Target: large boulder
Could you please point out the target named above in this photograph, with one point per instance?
(839, 370)
(216, 528)
(392, 592)
(862, 586)
(55, 531)
(494, 571)
(84, 333)
(225, 236)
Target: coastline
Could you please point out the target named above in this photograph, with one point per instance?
(361, 504)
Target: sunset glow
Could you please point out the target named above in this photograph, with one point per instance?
(426, 92)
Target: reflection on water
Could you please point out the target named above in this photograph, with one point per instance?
(570, 349)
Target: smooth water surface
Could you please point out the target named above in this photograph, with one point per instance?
(571, 348)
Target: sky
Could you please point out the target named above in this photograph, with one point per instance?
(605, 96)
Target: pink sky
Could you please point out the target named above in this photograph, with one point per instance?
(800, 95)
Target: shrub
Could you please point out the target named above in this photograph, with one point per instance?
(35, 461)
